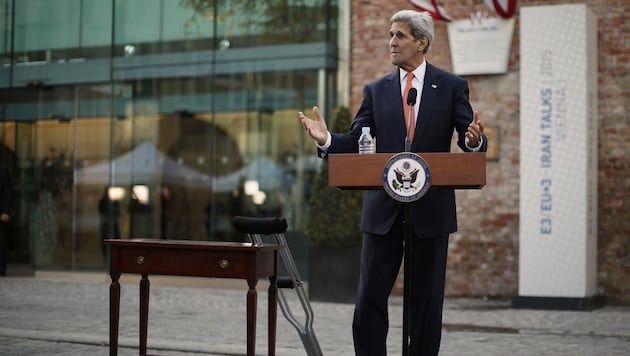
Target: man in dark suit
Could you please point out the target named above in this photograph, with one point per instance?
(443, 108)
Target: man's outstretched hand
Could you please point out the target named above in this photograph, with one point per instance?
(316, 128)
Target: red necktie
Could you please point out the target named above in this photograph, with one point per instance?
(409, 109)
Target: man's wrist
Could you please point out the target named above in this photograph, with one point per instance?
(476, 147)
(326, 144)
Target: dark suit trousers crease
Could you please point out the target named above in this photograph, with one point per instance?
(381, 259)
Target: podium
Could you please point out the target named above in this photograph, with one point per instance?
(447, 170)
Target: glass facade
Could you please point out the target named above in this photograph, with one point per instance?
(158, 119)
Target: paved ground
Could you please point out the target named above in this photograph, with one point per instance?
(68, 314)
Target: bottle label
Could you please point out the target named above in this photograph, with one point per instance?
(366, 144)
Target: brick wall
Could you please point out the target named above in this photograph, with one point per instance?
(483, 256)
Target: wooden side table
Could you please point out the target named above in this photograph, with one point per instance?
(196, 259)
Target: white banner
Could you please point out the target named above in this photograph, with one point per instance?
(558, 165)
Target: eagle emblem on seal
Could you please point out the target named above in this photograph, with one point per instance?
(406, 176)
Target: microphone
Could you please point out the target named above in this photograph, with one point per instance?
(411, 101)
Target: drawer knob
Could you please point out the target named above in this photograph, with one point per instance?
(224, 264)
(140, 260)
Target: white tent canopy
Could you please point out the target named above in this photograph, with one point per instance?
(145, 162)
(262, 169)
(141, 166)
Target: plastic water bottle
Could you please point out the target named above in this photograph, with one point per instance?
(366, 142)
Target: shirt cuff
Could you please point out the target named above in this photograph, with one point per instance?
(479, 144)
(326, 145)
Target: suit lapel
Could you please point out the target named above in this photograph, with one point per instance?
(429, 96)
(394, 96)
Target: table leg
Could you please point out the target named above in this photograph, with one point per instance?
(144, 313)
(114, 312)
(272, 313)
(252, 298)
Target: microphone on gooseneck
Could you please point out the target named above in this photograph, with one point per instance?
(411, 101)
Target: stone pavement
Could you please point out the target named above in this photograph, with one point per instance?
(68, 314)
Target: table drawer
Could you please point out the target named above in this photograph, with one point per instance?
(184, 262)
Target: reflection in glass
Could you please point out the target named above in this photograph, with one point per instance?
(183, 114)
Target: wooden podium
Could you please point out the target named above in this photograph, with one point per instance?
(447, 170)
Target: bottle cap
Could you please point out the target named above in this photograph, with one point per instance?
(365, 129)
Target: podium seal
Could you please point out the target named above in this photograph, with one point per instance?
(406, 177)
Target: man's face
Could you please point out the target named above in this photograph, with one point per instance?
(404, 50)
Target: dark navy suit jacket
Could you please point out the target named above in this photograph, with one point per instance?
(444, 109)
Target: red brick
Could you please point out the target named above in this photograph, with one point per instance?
(489, 218)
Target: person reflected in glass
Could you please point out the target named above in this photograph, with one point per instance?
(109, 214)
(6, 189)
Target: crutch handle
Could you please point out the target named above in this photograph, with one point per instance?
(285, 282)
(263, 226)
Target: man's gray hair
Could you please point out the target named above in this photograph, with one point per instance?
(420, 23)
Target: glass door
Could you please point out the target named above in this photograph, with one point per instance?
(58, 134)
(98, 204)
(51, 202)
